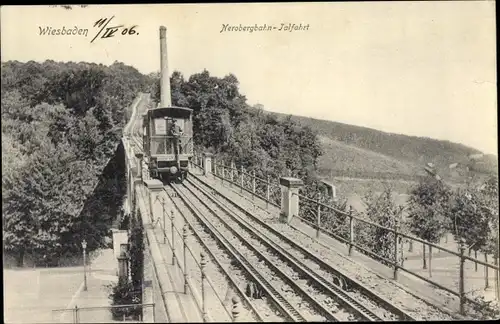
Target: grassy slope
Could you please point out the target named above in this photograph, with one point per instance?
(359, 152)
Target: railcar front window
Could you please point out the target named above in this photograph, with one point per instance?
(160, 126)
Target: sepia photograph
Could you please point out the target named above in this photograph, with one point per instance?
(250, 162)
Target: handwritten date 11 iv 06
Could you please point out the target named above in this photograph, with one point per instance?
(110, 31)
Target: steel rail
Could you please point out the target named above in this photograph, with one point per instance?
(279, 301)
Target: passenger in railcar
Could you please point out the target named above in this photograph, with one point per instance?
(176, 132)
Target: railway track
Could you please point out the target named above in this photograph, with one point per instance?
(304, 286)
(241, 269)
(361, 300)
(222, 259)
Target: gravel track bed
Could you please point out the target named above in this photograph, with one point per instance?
(414, 306)
(271, 276)
(220, 281)
(314, 267)
(270, 254)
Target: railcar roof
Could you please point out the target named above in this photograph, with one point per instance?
(175, 112)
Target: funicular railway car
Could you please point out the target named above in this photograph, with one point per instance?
(168, 142)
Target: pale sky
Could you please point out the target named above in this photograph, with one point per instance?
(416, 68)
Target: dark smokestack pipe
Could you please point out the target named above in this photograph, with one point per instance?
(166, 100)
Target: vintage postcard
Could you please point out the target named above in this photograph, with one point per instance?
(252, 162)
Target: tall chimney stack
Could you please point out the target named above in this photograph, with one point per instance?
(166, 100)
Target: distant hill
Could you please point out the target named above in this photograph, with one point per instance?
(360, 152)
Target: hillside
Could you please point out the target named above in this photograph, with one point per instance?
(62, 176)
(344, 160)
(353, 151)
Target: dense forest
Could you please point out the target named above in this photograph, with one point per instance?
(61, 126)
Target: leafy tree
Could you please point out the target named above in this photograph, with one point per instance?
(474, 215)
(427, 211)
(382, 210)
(61, 122)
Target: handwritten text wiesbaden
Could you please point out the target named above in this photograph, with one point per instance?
(63, 31)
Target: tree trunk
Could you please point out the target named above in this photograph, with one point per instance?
(475, 263)
(423, 257)
(20, 258)
(430, 261)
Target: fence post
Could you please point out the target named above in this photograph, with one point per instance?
(486, 274)
(318, 220)
(236, 308)
(241, 179)
(497, 279)
(164, 221)
(231, 173)
(424, 258)
(151, 216)
(402, 249)
(76, 314)
(396, 252)
(139, 166)
(253, 184)
(290, 198)
(222, 175)
(203, 263)
(184, 241)
(267, 192)
(475, 257)
(207, 163)
(351, 231)
(215, 167)
(461, 288)
(173, 241)
(430, 261)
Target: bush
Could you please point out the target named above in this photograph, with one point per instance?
(123, 293)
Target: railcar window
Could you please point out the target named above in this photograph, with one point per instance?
(160, 126)
(180, 123)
